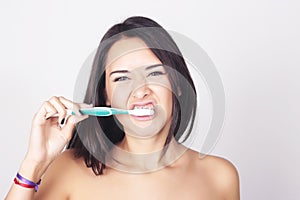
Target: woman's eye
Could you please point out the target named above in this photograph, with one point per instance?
(122, 78)
(156, 73)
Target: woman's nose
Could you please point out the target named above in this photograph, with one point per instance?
(140, 87)
(141, 91)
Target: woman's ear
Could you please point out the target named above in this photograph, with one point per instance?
(107, 102)
(179, 93)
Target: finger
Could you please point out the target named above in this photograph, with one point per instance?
(70, 124)
(74, 106)
(45, 111)
(70, 105)
(63, 123)
(84, 105)
(61, 109)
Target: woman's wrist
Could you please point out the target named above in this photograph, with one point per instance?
(32, 170)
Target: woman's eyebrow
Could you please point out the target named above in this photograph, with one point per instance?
(126, 71)
(153, 66)
(118, 71)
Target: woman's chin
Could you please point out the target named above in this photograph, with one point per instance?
(144, 129)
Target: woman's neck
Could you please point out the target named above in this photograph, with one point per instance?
(139, 154)
(144, 158)
(138, 144)
(142, 145)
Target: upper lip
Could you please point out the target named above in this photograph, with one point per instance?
(141, 103)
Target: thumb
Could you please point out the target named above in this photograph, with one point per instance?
(70, 124)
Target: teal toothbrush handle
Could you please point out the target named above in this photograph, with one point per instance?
(102, 111)
(118, 111)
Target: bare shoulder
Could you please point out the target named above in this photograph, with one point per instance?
(57, 181)
(223, 174)
(219, 166)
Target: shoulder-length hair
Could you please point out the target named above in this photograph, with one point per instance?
(95, 141)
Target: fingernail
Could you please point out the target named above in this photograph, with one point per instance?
(62, 121)
(47, 116)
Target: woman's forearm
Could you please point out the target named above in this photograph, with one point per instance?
(31, 171)
(49, 135)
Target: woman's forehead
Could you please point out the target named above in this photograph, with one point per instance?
(130, 53)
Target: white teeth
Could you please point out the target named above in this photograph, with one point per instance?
(143, 107)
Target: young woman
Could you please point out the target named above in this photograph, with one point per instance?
(137, 66)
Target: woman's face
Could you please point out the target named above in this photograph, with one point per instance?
(135, 78)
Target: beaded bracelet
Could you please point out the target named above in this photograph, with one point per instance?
(26, 183)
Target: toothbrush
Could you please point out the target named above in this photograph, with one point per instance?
(106, 111)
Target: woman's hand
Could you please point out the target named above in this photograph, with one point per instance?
(49, 134)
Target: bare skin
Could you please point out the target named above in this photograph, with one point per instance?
(64, 177)
(190, 177)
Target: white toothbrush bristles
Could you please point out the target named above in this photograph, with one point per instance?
(141, 112)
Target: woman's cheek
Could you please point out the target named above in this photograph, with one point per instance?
(120, 95)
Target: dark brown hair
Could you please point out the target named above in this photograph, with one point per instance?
(93, 138)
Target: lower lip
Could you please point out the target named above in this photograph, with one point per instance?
(144, 118)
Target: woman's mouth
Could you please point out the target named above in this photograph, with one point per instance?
(146, 110)
(142, 104)
(142, 111)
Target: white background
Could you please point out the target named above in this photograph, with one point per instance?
(254, 45)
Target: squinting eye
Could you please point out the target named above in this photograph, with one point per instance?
(122, 78)
(156, 73)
